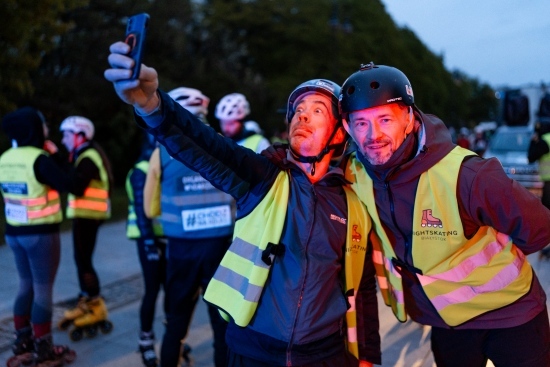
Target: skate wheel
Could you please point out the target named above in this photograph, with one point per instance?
(19, 360)
(91, 332)
(76, 334)
(106, 327)
(64, 324)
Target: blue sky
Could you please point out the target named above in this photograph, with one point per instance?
(499, 42)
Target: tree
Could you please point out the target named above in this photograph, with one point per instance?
(30, 29)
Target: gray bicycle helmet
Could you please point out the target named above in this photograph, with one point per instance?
(323, 86)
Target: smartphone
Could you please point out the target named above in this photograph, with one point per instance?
(136, 30)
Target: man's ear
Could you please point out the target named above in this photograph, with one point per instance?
(345, 124)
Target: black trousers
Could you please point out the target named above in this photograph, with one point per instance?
(190, 264)
(343, 359)
(84, 240)
(153, 267)
(526, 345)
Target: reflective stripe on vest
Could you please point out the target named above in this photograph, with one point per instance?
(544, 161)
(95, 202)
(26, 200)
(238, 282)
(132, 229)
(454, 275)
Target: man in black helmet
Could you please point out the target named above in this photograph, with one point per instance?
(297, 284)
(452, 230)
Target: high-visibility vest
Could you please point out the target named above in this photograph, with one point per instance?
(190, 206)
(252, 142)
(27, 202)
(463, 278)
(95, 203)
(544, 161)
(132, 229)
(239, 280)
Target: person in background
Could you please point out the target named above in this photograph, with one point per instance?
(297, 284)
(232, 111)
(197, 220)
(463, 140)
(452, 230)
(30, 182)
(88, 205)
(151, 250)
(539, 150)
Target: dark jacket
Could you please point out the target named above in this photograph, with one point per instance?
(301, 312)
(486, 196)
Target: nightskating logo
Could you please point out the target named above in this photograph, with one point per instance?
(429, 220)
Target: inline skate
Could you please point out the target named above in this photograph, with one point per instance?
(22, 348)
(147, 349)
(93, 320)
(46, 354)
(72, 314)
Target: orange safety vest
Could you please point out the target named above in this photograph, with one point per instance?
(95, 203)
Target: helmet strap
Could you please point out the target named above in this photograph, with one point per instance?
(317, 158)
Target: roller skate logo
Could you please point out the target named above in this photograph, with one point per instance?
(355, 236)
(430, 221)
(89, 316)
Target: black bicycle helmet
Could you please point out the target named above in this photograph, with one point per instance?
(372, 86)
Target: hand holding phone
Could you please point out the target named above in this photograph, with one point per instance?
(136, 30)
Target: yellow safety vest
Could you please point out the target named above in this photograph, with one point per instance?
(26, 201)
(252, 141)
(132, 229)
(544, 161)
(95, 203)
(463, 278)
(239, 280)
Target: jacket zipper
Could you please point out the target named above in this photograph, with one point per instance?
(290, 342)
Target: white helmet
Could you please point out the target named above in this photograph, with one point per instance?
(191, 99)
(78, 124)
(233, 106)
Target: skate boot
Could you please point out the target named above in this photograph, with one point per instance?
(22, 348)
(46, 354)
(94, 318)
(74, 313)
(147, 349)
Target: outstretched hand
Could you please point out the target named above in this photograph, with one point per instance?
(140, 93)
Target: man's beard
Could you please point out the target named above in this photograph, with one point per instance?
(379, 158)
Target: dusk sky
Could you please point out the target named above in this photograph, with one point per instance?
(499, 42)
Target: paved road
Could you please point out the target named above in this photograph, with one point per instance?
(404, 345)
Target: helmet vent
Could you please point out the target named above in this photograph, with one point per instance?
(374, 85)
(351, 90)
